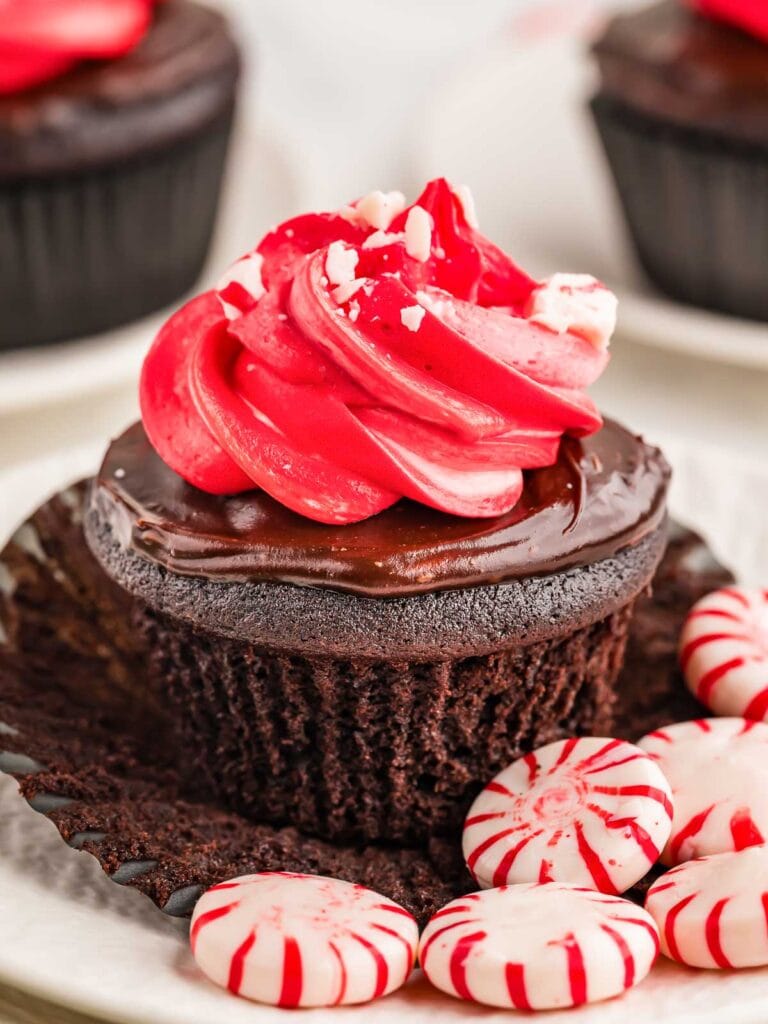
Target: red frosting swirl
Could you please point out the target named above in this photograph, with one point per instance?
(749, 15)
(357, 357)
(42, 39)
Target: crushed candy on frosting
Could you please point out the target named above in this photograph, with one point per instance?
(411, 317)
(42, 39)
(577, 303)
(379, 352)
(241, 287)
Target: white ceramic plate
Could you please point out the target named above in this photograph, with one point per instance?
(69, 935)
(514, 125)
(263, 187)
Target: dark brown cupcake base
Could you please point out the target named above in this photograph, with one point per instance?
(375, 750)
(377, 719)
(95, 751)
(696, 205)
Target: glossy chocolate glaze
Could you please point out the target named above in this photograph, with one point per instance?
(605, 493)
(177, 80)
(674, 64)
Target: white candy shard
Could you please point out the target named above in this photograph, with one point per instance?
(467, 201)
(718, 771)
(376, 210)
(241, 286)
(724, 652)
(538, 947)
(344, 292)
(302, 940)
(592, 812)
(411, 317)
(576, 303)
(340, 263)
(439, 303)
(418, 234)
(381, 238)
(713, 912)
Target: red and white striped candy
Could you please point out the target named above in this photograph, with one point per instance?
(724, 652)
(302, 940)
(718, 771)
(593, 812)
(538, 947)
(713, 912)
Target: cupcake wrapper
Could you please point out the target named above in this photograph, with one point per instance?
(696, 206)
(85, 252)
(90, 745)
(375, 750)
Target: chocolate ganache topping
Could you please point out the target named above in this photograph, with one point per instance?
(604, 493)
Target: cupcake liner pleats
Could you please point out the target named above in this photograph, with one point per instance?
(696, 206)
(369, 749)
(83, 252)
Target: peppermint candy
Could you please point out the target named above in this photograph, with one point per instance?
(718, 771)
(593, 812)
(242, 286)
(724, 652)
(576, 303)
(713, 912)
(302, 940)
(538, 947)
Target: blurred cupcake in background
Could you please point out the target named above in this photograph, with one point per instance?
(682, 111)
(115, 117)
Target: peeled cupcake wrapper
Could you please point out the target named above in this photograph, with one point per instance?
(93, 748)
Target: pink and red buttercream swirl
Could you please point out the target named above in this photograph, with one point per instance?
(375, 353)
(749, 15)
(42, 39)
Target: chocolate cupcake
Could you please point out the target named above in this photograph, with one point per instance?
(112, 146)
(439, 568)
(682, 111)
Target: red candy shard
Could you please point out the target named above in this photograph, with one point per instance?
(357, 357)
